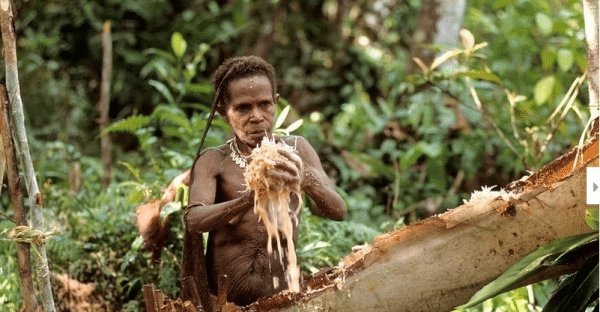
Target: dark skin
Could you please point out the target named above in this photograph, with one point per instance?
(220, 205)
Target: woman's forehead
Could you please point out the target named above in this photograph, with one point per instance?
(249, 82)
(252, 86)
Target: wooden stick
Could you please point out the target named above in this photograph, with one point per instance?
(104, 103)
(190, 291)
(16, 199)
(18, 122)
(222, 295)
(150, 298)
(160, 297)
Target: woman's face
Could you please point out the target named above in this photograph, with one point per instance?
(250, 109)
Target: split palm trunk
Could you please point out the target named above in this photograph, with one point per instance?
(439, 263)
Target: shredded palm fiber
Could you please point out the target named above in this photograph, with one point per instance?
(272, 204)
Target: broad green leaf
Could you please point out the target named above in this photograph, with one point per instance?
(386, 107)
(581, 61)
(543, 89)
(544, 23)
(543, 257)
(178, 44)
(410, 157)
(565, 59)
(377, 119)
(548, 56)
(162, 88)
(182, 195)
(282, 116)
(137, 243)
(163, 54)
(159, 66)
(576, 291)
(591, 217)
(199, 88)
(169, 209)
(432, 150)
(436, 173)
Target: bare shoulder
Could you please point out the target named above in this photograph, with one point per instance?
(299, 142)
(304, 148)
(210, 160)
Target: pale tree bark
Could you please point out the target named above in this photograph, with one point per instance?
(590, 17)
(448, 26)
(104, 103)
(438, 24)
(18, 122)
(439, 263)
(16, 200)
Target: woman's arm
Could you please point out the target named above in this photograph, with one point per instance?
(318, 186)
(202, 214)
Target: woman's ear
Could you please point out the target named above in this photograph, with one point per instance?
(224, 115)
(276, 98)
(222, 111)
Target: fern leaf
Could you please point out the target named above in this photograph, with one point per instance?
(129, 124)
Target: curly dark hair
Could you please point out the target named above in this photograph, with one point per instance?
(240, 67)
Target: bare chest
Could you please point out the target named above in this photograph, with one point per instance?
(230, 182)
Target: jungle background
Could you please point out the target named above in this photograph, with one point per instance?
(402, 140)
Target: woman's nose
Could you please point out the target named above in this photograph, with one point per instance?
(255, 115)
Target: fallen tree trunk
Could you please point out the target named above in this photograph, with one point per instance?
(439, 263)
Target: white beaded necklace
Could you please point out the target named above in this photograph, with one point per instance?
(236, 155)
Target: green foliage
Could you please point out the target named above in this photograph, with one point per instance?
(591, 218)
(551, 254)
(322, 242)
(578, 291)
(400, 145)
(529, 298)
(575, 292)
(10, 292)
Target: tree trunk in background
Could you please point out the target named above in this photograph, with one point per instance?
(18, 122)
(439, 263)
(438, 24)
(449, 23)
(590, 17)
(265, 41)
(104, 104)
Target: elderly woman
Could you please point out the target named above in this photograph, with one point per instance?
(219, 203)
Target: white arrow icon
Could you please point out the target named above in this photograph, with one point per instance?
(593, 183)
